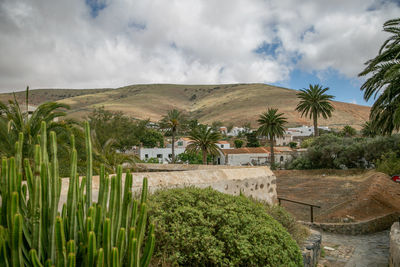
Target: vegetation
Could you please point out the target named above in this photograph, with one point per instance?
(173, 121)
(203, 227)
(332, 151)
(238, 143)
(252, 139)
(314, 103)
(348, 131)
(368, 130)
(384, 81)
(271, 125)
(204, 140)
(34, 233)
(192, 158)
(389, 163)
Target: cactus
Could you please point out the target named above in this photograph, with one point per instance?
(33, 231)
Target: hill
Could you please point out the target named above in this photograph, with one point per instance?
(229, 103)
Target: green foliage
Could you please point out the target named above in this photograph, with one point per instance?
(204, 140)
(192, 158)
(292, 145)
(384, 82)
(389, 163)
(203, 227)
(348, 131)
(252, 139)
(33, 232)
(331, 151)
(173, 122)
(271, 126)
(152, 138)
(314, 102)
(307, 142)
(238, 143)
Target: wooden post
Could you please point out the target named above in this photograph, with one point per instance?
(312, 215)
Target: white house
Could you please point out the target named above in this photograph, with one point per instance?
(284, 140)
(253, 156)
(223, 145)
(304, 130)
(236, 131)
(162, 154)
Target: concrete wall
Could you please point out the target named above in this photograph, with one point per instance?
(257, 182)
(394, 260)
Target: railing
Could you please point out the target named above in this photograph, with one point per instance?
(302, 203)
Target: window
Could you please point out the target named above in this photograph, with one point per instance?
(170, 156)
(222, 146)
(159, 156)
(180, 143)
(281, 158)
(146, 156)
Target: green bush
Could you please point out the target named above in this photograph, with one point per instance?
(389, 163)
(203, 227)
(238, 143)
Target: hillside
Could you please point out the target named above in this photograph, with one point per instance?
(230, 103)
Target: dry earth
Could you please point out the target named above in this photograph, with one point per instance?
(229, 103)
(359, 194)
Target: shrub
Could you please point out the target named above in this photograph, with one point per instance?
(389, 163)
(238, 143)
(203, 227)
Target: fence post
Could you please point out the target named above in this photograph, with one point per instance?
(312, 215)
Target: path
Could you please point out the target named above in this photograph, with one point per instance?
(370, 250)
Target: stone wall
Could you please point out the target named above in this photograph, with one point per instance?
(257, 182)
(311, 249)
(394, 260)
(357, 228)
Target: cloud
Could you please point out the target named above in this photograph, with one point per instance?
(86, 44)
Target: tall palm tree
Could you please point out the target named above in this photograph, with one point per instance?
(13, 121)
(271, 125)
(173, 121)
(204, 139)
(384, 81)
(368, 129)
(314, 102)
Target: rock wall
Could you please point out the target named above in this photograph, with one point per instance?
(357, 228)
(394, 260)
(311, 249)
(257, 182)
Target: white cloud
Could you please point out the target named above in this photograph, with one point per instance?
(47, 43)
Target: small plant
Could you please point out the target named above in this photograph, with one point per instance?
(33, 232)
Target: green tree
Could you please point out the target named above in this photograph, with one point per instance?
(271, 125)
(348, 131)
(204, 140)
(173, 121)
(314, 103)
(252, 139)
(384, 81)
(14, 120)
(368, 130)
(238, 143)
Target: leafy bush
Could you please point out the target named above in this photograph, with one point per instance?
(203, 227)
(238, 143)
(389, 163)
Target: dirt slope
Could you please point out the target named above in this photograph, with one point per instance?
(229, 103)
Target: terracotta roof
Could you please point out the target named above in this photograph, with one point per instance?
(223, 142)
(246, 150)
(283, 149)
(186, 139)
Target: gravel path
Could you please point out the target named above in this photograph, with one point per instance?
(370, 250)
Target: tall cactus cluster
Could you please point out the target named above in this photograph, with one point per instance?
(33, 231)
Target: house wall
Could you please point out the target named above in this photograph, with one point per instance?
(156, 152)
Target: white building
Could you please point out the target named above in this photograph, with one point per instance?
(253, 156)
(223, 145)
(162, 154)
(284, 140)
(236, 131)
(304, 130)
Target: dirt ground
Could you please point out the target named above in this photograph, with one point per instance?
(342, 194)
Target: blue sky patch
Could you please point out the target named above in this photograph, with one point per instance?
(95, 6)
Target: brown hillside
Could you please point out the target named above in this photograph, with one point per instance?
(230, 103)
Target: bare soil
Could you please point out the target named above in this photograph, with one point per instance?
(352, 195)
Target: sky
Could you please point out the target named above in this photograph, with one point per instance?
(114, 43)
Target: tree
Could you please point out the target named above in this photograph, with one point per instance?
(368, 130)
(204, 139)
(271, 125)
(173, 121)
(252, 139)
(314, 103)
(384, 81)
(238, 143)
(348, 131)
(14, 120)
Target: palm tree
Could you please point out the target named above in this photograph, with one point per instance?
(384, 80)
(204, 139)
(173, 121)
(348, 131)
(13, 121)
(314, 102)
(368, 129)
(271, 125)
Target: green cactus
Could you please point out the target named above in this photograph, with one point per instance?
(33, 231)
